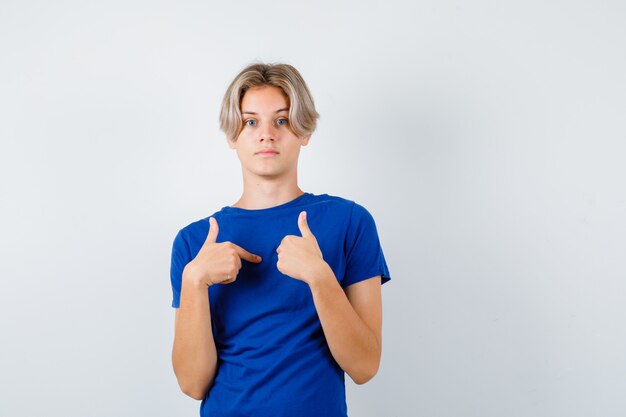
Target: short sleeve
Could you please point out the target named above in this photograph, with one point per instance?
(180, 258)
(364, 254)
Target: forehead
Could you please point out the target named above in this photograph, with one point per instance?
(264, 98)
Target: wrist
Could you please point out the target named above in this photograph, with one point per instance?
(193, 279)
(320, 275)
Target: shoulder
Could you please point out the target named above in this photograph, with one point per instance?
(352, 211)
(194, 226)
(336, 202)
(198, 227)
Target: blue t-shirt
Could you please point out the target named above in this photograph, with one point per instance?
(273, 358)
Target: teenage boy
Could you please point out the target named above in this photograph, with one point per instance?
(293, 278)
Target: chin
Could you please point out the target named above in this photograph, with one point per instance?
(266, 173)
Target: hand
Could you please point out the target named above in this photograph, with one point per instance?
(300, 257)
(217, 263)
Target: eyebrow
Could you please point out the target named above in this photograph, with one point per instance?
(277, 111)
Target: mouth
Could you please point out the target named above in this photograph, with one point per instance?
(267, 153)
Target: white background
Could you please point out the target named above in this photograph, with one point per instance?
(486, 138)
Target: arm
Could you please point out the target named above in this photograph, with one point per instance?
(352, 322)
(194, 356)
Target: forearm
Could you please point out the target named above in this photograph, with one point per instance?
(355, 346)
(194, 356)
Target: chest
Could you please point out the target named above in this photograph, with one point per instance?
(263, 297)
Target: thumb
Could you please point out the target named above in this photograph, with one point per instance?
(304, 226)
(213, 231)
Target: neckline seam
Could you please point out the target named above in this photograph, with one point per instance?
(267, 209)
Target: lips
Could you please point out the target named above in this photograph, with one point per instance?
(267, 152)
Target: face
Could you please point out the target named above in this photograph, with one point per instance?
(266, 145)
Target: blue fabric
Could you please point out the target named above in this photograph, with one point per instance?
(273, 359)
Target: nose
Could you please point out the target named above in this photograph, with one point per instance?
(267, 134)
(266, 137)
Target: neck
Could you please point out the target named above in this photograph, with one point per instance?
(260, 193)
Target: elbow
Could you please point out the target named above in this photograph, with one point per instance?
(362, 379)
(191, 383)
(367, 370)
(193, 386)
(195, 392)
(197, 395)
(364, 375)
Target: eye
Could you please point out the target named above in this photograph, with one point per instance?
(249, 122)
(282, 122)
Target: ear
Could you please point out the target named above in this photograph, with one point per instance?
(231, 143)
(305, 140)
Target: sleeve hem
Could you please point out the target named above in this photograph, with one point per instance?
(383, 279)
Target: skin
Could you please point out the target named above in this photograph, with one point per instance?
(351, 318)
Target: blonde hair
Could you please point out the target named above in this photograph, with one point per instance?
(302, 114)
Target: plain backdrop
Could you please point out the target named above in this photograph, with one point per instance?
(486, 138)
